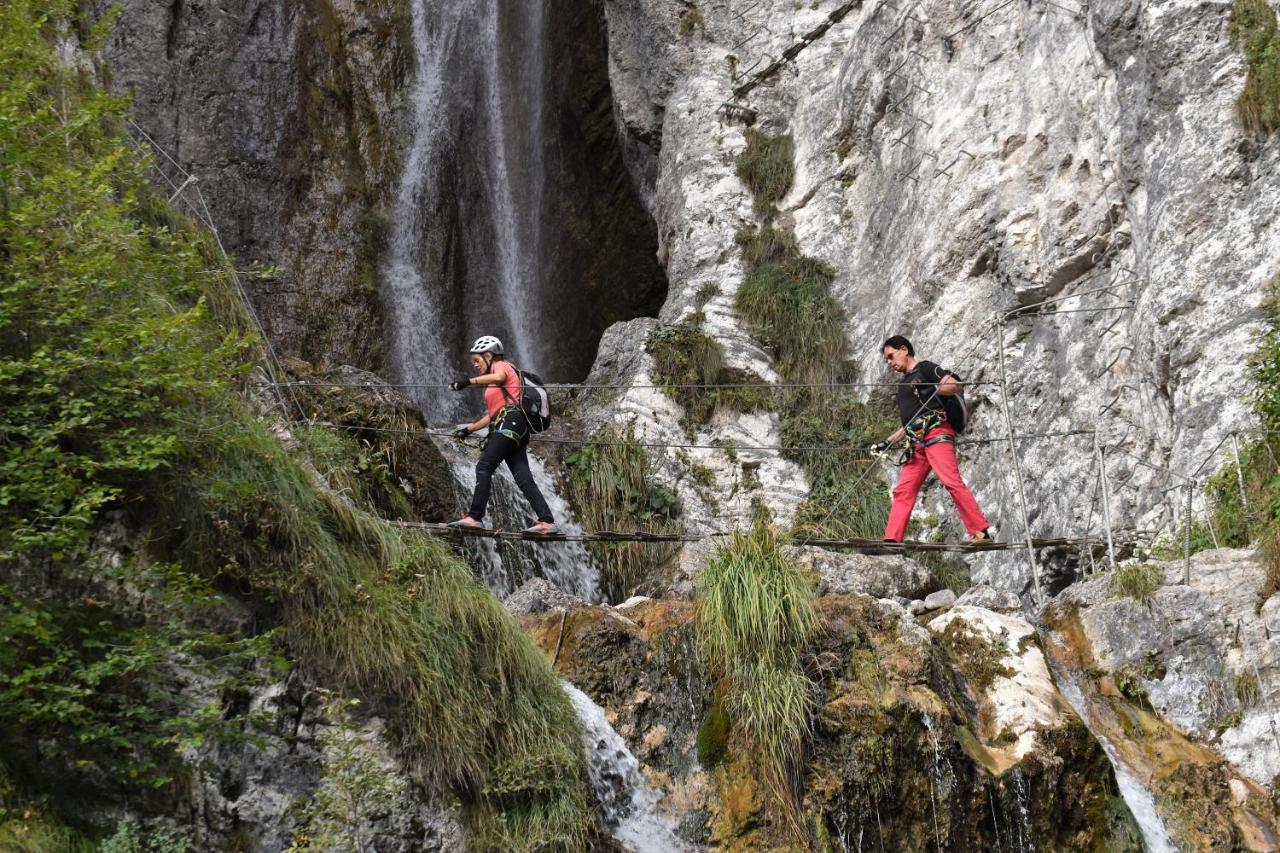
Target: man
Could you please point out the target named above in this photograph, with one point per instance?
(924, 424)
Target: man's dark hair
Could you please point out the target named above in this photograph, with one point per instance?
(898, 342)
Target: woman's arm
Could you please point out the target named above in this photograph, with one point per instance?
(477, 425)
(495, 377)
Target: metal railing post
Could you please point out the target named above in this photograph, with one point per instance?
(1186, 537)
(1106, 499)
(1244, 496)
(1017, 468)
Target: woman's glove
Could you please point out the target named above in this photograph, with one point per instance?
(461, 431)
(461, 384)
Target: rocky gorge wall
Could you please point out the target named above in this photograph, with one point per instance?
(297, 118)
(955, 161)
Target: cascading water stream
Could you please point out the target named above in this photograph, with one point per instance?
(467, 245)
(628, 806)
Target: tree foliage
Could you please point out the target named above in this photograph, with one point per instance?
(103, 348)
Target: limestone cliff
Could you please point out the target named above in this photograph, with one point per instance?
(955, 161)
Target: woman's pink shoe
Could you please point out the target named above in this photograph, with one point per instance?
(542, 528)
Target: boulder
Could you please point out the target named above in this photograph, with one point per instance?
(879, 577)
(990, 598)
(939, 600)
(538, 595)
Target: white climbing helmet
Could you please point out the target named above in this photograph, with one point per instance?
(487, 343)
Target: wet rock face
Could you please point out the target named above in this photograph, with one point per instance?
(950, 169)
(916, 741)
(1178, 682)
(286, 112)
(1203, 656)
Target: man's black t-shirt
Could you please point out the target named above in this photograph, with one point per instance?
(915, 390)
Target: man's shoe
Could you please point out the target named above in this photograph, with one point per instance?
(466, 521)
(542, 528)
(982, 537)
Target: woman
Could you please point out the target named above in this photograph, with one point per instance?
(508, 433)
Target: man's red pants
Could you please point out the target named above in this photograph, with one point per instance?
(939, 457)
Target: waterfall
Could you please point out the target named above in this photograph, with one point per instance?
(628, 806)
(419, 347)
(468, 254)
(503, 567)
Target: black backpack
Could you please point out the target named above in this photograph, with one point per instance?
(534, 401)
(957, 411)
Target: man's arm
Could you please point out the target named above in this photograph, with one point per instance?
(949, 385)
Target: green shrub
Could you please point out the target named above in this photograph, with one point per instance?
(94, 685)
(611, 487)
(129, 838)
(1253, 29)
(1259, 460)
(104, 338)
(683, 354)
(755, 615)
(767, 167)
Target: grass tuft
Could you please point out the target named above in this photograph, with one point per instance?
(683, 354)
(1253, 29)
(786, 302)
(611, 487)
(755, 615)
(1136, 580)
(767, 167)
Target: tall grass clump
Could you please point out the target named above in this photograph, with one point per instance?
(123, 354)
(767, 167)
(786, 302)
(1253, 29)
(611, 486)
(685, 355)
(395, 618)
(755, 616)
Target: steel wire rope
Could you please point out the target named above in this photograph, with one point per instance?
(728, 445)
(569, 386)
(202, 214)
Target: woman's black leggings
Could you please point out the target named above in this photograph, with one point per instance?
(502, 448)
